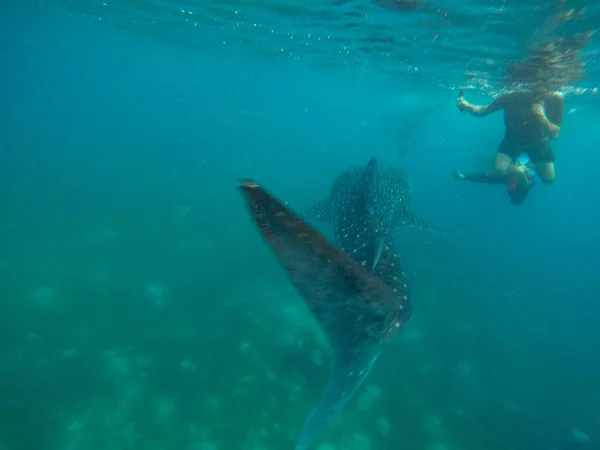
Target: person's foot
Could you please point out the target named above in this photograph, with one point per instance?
(512, 182)
(519, 186)
(458, 175)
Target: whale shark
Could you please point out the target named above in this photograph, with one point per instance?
(358, 309)
(362, 229)
(365, 205)
(385, 191)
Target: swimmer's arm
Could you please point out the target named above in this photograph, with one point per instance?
(551, 129)
(480, 111)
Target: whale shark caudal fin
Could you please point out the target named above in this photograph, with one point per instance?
(356, 310)
(347, 374)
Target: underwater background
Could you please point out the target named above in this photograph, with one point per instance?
(139, 307)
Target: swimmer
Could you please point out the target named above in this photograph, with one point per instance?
(532, 118)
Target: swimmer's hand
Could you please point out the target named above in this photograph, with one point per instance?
(552, 130)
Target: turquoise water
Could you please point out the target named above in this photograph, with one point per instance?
(140, 308)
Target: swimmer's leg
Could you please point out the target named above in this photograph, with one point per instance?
(520, 179)
(542, 161)
(498, 176)
(545, 170)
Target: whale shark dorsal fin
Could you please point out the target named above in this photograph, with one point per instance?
(368, 184)
(356, 310)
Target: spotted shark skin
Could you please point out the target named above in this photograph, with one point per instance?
(390, 188)
(361, 231)
(357, 310)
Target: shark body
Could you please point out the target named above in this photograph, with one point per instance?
(359, 303)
